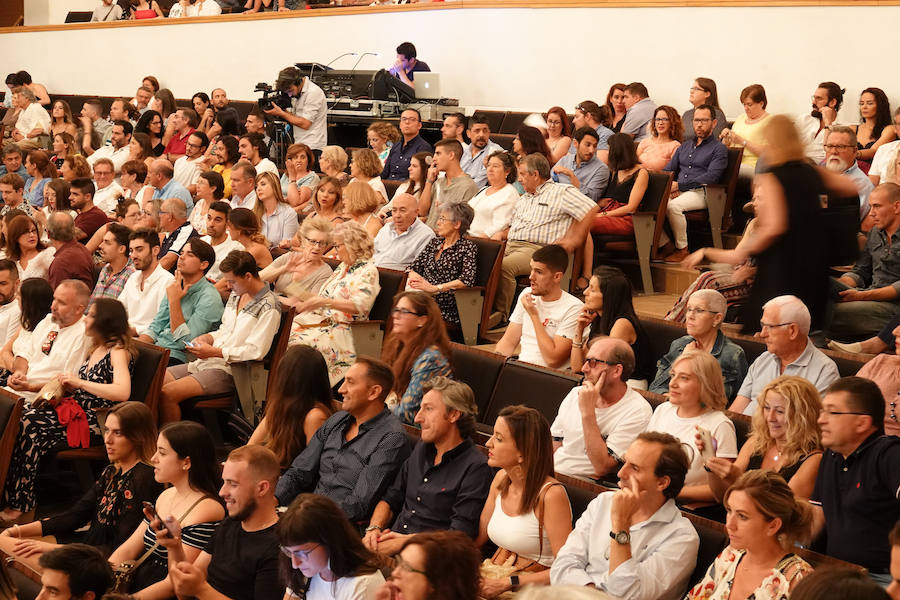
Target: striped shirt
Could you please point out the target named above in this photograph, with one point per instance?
(546, 215)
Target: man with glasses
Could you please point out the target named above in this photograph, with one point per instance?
(108, 192)
(886, 153)
(704, 315)
(789, 351)
(188, 168)
(695, 164)
(396, 165)
(840, 157)
(856, 500)
(599, 419)
(813, 126)
(181, 125)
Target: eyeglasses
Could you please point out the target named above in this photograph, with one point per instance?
(661, 119)
(403, 311)
(320, 243)
(402, 564)
(827, 412)
(700, 311)
(772, 325)
(838, 146)
(593, 362)
(298, 554)
(409, 120)
(446, 219)
(702, 120)
(697, 89)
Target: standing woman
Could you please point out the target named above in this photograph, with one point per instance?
(298, 181)
(41, 170)
(151, 123)
(703, 91)
(559, 132)
(875, 125)
(748, 129)
(103, 380)
(417, 348)
(527, 513)
(615, 101)
(278, 219)
(666, 133)
(62, 120)
(494, 204)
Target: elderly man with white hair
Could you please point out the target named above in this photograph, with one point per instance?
(840, 157)
(703, 317)
(784, 328)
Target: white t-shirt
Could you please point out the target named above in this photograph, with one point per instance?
(665, 419)
(620, 424)
(266, 166)
(107, 198)
(492, 213)
(559, 318)
(142, 305)
(312, 107)
(9, 319)
(187, 170)
(882, 159)
(363, 587)
(52, 350)
(221, 251)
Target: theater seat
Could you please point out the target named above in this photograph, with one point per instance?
(477, 368)
(537, 387)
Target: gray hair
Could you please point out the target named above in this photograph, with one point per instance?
(176, 207)
(61, 227)
(24, 91)
(537, 163)
(713, 300)
(317, 223)
(356, 239)
(460, 212)
(842, 129)
(791, 310)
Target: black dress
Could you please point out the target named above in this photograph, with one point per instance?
(795, 263)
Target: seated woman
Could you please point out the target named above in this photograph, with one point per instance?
(615, 102)
(113, 505)
(666, 132)
(24, 247)
(132, 178)
(103, 380)
(151, 124)
(195, 8)
(278, 219)
(696, 400)
(323, 321)
(417, 348)
(300, 395)
(186, 460)
(875, 125)
(224, 158)
(494, 204)
(366, 167)
(418, 172)
(41, 171)
(333, 163)
(360, 203)
(201, 103)
(447, 262)
(75, 166)
(705, 312)
(62, 120)
(323, 556)
(243, 227)
(608, 310)
(139, 148)
(527, 513)
(303, 268)
(35, 299)
(627, 184)
(749, 128)
(145, 9)
(530, 140)
(381, 136)
(56, 197)
(210, 188)
(784, 439)
(298, 181)
(327, 200)
(445, 559)
(559, 132)
(765, 520)
(63, 146)
(703, 91)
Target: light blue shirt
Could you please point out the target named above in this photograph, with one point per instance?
(173, 189)
(474, 167)
(603, 135)
(397, 250)
(863, 186)
(592, 175)
(202, 309)
(280, 225)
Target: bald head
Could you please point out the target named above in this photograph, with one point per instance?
(618, 357)
(61, 227)
(405, 212)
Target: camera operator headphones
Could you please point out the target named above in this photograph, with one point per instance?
(287, 77)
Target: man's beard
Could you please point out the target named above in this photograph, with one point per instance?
(816, 114)
(245, 512)
(836, 165)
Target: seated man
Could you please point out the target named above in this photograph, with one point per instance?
(789, 351)
(256, 123)
(480, 149)
(855, 500)
(240, 562)
(243, 185)
(10, 311)
(868, 296)
(640, 110)
(32, 129)
(582, 169)
(249, 324)
(192, 305)
(12, 193)
(407, 64)
(255, 152)
(108, 192)
(545, 316)
(117, 150)
(840, 157)
(95, 129)
(118, 268)
(453, 127)
(547, 213)
(589, 114)
(813, 126)
(695, 164)
(182, 123)
(634, 543)
(396, 165)
(57, 343)
(13, 161)
(71, 260)
(884, 156)
(444, 483)
(598, 420)
(217, 236)
(705, 311)
(90, 218)
(74, 572)
(146, 288)
(357, 452)
(173, 222)
(188, 168)
(400, 241)
(454, 188)
(160, 176)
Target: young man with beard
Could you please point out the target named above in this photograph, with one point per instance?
(145, 289)
(115, 273)
(479, 150)
(10, 311)
(188, 168)
(217, 236)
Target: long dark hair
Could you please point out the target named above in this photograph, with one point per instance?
(138, 426)
(622, 155)
(35, 298)
(882, 111)
(15, 229)
(530, 433)
(143, 124)
(451, 564)
(301, 384)
(532, 141)
(617, 303)
(191, 440)
(231, 149)
(424, 159)
(400, 352)
(111, 325)
(312, 518)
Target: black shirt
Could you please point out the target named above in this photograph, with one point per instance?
(859, 496)
(396, 165)
(450, 495)
(244, 564)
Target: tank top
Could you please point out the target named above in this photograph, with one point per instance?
(787, 471)
(519, 533)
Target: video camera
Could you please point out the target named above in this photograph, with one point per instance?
(272, 97)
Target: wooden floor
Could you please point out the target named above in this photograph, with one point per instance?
(654, 305)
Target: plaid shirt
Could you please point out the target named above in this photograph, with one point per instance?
(546, 215)
(109, 285)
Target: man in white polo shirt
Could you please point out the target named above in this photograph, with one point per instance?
(146, 287)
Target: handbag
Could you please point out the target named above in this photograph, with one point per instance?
(123, 573)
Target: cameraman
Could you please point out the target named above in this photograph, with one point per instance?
(308, 111)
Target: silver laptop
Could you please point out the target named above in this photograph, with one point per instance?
(428, 85)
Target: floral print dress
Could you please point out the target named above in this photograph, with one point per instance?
(328, 330)
(716, 584)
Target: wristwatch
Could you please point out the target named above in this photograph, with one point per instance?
(622, 537)
(373, 527)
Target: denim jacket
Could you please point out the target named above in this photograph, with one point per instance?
(730, 356)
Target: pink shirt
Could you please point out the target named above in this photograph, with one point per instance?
(656, 156)
(884, 370)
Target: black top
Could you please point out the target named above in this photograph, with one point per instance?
(244, 564)
(795, 263)
(787, 472)
(456, 262)
(860, 496)
(112, 506)
(644, 361)
(429, 497)
(620, 191)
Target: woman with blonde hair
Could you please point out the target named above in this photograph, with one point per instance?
(696, 402)
(62, 119)
(333, 162)
(765, 521)
(278, 219)
(785, 439)
(366, 167)
(381, 135)
(327, 201)
(360, 204)
(303, 269)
